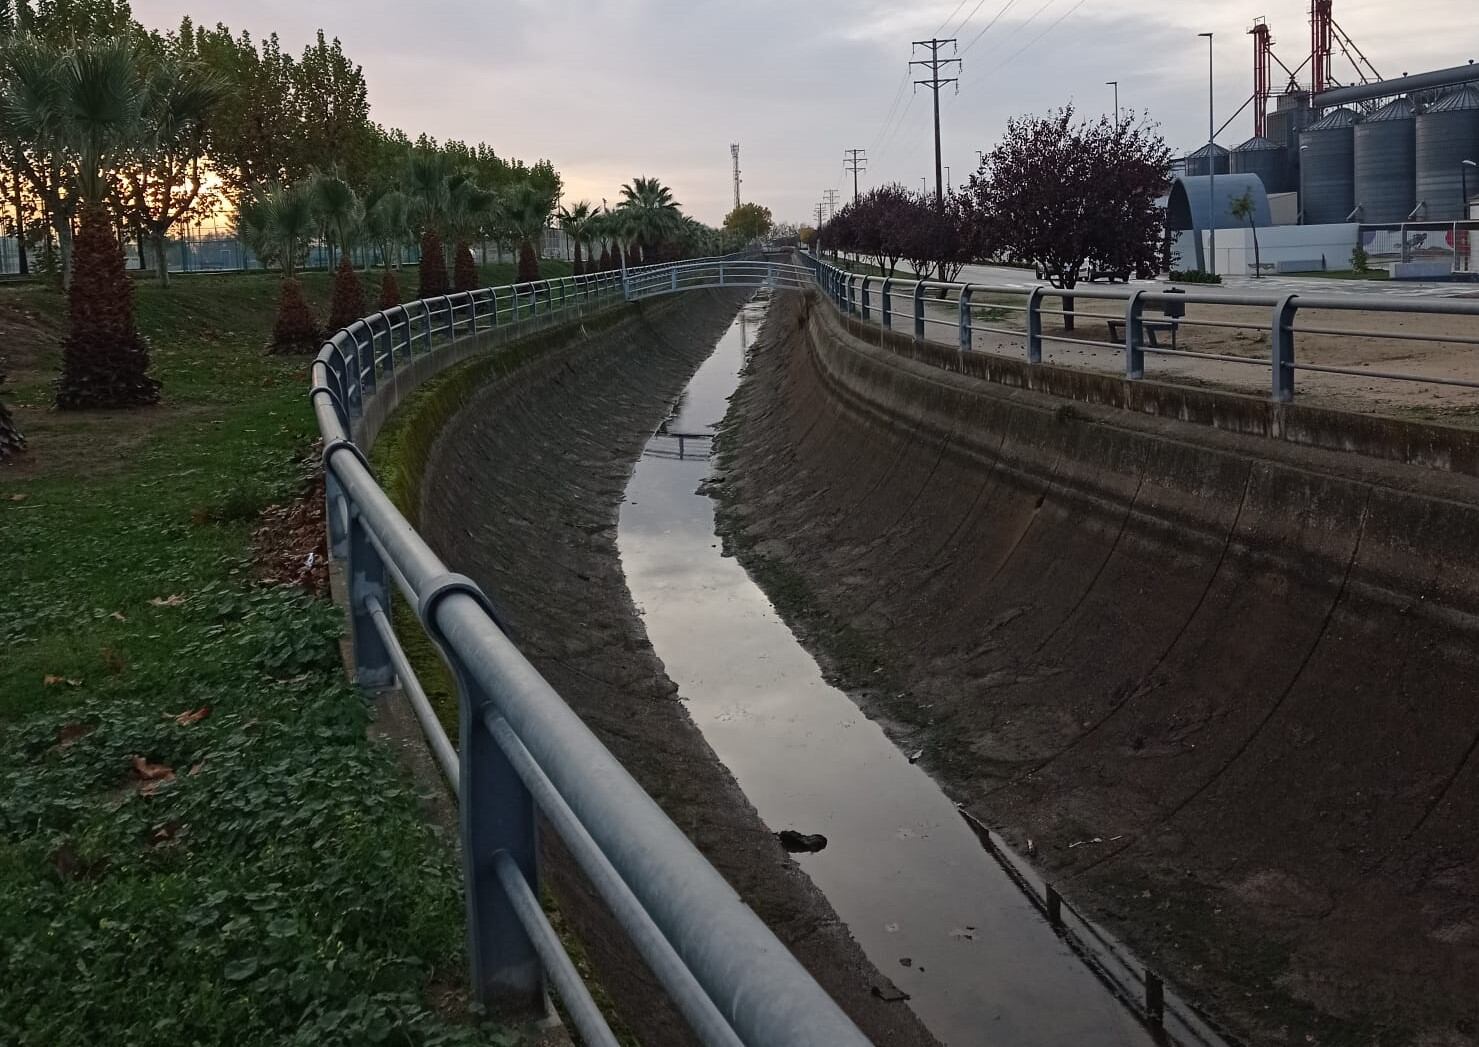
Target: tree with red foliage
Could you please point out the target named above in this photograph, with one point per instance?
(348, 303)
(1064, 194)
(433, 267)
(390, 291)
(465, 272)
(934, 237)
(874, 225)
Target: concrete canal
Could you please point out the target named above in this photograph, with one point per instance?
(931, 908)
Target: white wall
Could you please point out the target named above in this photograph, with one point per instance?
(1284, 243)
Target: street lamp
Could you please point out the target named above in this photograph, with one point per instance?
(1116, 85)
(948, 186)
(923, 185)
(1211, 158)
(1463, 175)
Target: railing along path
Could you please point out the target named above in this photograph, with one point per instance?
(522, 753)
(878, 300)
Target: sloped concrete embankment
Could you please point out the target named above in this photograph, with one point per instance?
(1224, 687)
(521, 491)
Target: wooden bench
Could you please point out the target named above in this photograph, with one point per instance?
(1150, 327)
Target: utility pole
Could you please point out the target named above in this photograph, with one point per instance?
(820, 208)
(1211, 156)
(937, 65)
(856, 161)
(830, 195)
(1116, 85)
(734, 155)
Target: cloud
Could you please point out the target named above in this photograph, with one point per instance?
(608, 89)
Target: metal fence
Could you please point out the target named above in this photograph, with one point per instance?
(522, 752)
(207, 250)
(890, 302)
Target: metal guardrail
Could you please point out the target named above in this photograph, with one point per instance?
(876, 299)
(522, 752)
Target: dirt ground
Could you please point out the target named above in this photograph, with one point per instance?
(1250, 339)
(1224, 739)
(522, 494)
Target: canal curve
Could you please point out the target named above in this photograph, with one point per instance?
(955, 938)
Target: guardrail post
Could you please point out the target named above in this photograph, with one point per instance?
(451, 318)
(867, 305)
(886, 299)
(368, 378)
(1034, 326)
(495, 814)
(472, 305)
(426, 322)
(919, 310)
(967, 340)
(367, 579)
(1134, 336)
(1281, 346)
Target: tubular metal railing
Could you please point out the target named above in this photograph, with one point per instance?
(878, 299)
(522, 753)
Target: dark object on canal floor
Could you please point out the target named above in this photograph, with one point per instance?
(801, 843)
(887, 991)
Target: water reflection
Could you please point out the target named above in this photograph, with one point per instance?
(930, 908)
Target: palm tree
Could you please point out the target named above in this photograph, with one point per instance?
(576, 221)
(387, 223)
(469, 208)
(340, 213)
(527, 210)
(654, 214)
(337, 208)
(278, 225)
(1243, 208)
(98, 98)
(426, 177)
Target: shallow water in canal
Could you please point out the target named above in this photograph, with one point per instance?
(931, 908)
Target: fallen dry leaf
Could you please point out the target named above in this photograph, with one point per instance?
(185, 719)
(118, 616)
(173, 600)
(152, 775)
(51, 680)
(19, 497)
(70, 732)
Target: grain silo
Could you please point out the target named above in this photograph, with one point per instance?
(1447, 135)
(1327, 168)
(1386, 163)
(1196, 163)
(1266, 159)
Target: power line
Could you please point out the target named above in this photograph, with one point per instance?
(987, 27)
(937, 65)
(951, 15)
(857, 160)
(892, 109)
(1057, 22)
(1020, 25)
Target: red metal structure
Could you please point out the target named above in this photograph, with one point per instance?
(1322, 19)
(1262, 68)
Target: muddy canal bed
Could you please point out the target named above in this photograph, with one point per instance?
(931, 908)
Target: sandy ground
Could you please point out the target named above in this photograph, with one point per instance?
(1428, 357)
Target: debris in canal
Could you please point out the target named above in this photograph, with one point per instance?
(801, 843)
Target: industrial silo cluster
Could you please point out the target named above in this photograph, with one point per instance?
(1387, 152)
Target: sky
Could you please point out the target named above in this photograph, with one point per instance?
(610, 89)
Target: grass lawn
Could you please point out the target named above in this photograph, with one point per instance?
(198, 841)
